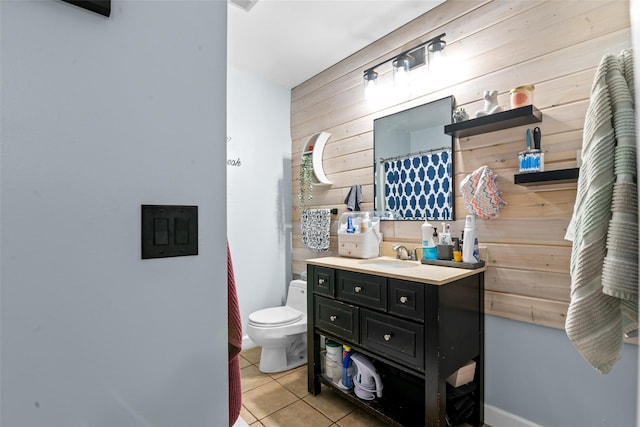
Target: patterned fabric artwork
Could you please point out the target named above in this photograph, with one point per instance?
(316, 224)
(419, 186)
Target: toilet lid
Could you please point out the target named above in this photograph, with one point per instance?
(275, 316)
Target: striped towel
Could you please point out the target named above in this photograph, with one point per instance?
(480, 193)
(316, 229)
(235, 343)
(604, 224)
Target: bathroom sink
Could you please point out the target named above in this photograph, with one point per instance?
(393, 263)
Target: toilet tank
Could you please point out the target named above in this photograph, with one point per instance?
(297, 295)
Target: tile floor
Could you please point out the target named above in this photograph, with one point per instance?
(282, 400)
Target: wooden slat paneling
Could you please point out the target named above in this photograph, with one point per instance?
(497, 45)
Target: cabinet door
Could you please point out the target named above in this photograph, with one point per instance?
(336, 318)
(362, 289)
(394, 338)
(323, 281)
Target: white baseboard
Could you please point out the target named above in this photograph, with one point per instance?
(496, 417)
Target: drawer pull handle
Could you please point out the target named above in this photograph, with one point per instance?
(320, 281)
(357, 289)
(332, 318)
(403, 300)
(387, 337)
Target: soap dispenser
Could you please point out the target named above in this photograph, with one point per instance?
(428, 244)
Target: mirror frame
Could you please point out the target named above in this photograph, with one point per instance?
(399, 117)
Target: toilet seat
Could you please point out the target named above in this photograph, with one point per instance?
(275, 316)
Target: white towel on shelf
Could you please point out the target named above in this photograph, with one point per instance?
(316, 229)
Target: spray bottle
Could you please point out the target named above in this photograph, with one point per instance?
(347, 368)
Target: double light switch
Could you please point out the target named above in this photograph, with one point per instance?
(169, 230)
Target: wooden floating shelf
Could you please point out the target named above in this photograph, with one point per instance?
(547, 177)
(493, 122)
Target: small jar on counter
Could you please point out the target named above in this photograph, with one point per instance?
(521, 96)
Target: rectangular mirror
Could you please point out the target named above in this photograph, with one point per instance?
(413, 163)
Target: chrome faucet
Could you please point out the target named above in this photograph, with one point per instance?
(403, 252)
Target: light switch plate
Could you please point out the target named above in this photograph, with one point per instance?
(169, 231)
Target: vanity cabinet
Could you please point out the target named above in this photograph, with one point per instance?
(416, 331)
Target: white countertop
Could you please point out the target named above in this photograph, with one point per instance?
(397, 269)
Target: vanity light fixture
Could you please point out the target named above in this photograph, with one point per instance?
(436, 54)
(370, 78)
(401, 68)
(436, 44)
(404, 62)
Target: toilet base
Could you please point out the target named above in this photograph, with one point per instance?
(282, 358)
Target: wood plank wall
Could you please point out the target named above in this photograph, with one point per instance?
(499, 44)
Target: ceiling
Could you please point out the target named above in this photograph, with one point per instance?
(290, 41)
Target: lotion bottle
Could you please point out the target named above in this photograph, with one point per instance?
(470, 253)
(365, 224)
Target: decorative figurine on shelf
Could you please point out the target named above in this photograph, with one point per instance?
(460, 115)
(490, 103)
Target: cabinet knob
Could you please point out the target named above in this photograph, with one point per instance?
(357, 289)
(403, 300)
(332, 318)
(320, 281)
(387, 337)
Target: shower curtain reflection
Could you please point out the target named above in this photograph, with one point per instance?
(418, 186)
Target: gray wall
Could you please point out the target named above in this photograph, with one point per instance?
(536, 373)
(259, 189)
(99, 116)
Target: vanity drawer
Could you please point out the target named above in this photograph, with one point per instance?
(336, 317)
(362, 289)
(394, 338)
(323, 280)
(406, 299)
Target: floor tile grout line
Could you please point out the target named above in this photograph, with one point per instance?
(298, 398)
(271, 378)
(287, 389)
(306, 403)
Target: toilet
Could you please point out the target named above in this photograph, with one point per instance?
(282, 331)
